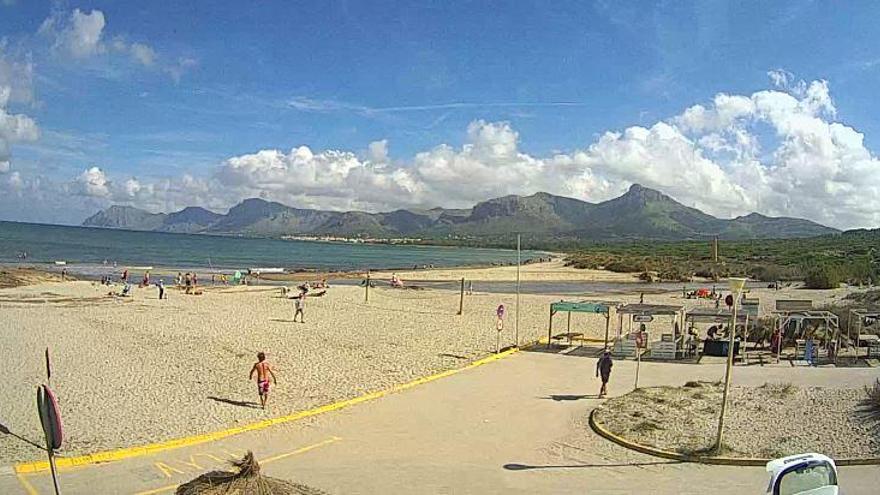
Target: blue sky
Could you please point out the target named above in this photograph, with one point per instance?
(222, 80)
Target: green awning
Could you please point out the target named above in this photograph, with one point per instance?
(580, 307)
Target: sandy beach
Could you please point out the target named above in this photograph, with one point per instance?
(552, 271)
(138, 370)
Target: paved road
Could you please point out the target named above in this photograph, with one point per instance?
(514, 426)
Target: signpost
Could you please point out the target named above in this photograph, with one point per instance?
(50, 419)
(641, 342)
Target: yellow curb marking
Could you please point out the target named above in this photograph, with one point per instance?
(28, 487)
(129, 452)
(267, 460)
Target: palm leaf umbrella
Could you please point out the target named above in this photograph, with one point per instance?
(245, 480)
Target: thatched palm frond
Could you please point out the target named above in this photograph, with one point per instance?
(245, 480)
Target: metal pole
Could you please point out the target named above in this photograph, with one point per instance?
(516, 322)
(461, 298)
(727, 373)
(54, 471)
(550, 328)
(367, 288)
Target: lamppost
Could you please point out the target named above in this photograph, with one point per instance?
(736, 287)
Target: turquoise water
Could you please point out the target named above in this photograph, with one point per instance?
(84, 245)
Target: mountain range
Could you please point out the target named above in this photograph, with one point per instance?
(640, 213)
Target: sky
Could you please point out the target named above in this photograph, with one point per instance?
(728, 107)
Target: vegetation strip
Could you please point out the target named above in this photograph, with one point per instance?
(138, 451)
(724, 461)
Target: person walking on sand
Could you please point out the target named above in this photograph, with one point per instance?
(299, 303)
(263, 372)
(161, 286)
(603, 368)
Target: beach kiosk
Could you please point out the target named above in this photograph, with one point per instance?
(716, 347)
(595, 307)
(668, 346)
(862, 330)
(794, 318)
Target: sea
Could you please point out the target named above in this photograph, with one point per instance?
(92, 249)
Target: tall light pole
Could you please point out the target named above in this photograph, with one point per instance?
(736, 287)
(516, 318)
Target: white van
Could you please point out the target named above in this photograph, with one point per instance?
(802, 474)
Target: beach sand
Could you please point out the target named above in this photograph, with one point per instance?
(552, 271)
(139, 370)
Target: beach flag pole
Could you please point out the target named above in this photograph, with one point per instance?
(461, 298)
(516, 321)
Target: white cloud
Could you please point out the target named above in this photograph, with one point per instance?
(143, 53)
(92, 182)
(377, 151)
(14, 128)
(16, 74)
(717, 156)
(78, 34)
(82, 35)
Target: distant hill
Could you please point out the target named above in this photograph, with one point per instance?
(640, 213)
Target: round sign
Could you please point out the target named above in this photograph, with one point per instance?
(500, 311)
(50, 417)
(728, 300)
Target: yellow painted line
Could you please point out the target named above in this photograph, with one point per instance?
(28, 487)
(267, 460)
(163, 489)
(138, 451)
(300, 451)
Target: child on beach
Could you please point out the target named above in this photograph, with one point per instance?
(263, 371)
(299, 303)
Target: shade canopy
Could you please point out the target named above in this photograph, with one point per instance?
(649, 309)
(582, 307)
(710, 315)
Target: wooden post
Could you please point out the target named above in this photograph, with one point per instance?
(367, 288)
(550, 328)
(607, 325)
(730, 346)
(461, 298)
(568, 328)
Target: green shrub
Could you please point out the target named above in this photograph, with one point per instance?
(627, 265)
(823, 277)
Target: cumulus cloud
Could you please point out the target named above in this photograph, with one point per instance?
(716, 155)
(13, 128)
(377, 151)
(16, 74)
(92, 182)
(78, 34)
(82, 35)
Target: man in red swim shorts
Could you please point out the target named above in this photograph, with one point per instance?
(263, 371)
